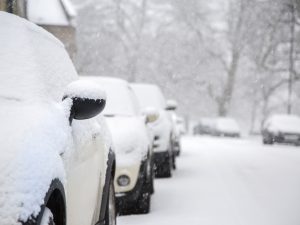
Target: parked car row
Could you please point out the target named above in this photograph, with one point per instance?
(278, 128)
(76, 150)
(222, 126)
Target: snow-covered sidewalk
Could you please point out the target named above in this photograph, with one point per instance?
(223, 181)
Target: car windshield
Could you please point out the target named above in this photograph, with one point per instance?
(149, 96)
(120, 99)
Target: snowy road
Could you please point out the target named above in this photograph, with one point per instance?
(228, 182)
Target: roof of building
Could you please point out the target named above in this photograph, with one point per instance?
(51, 12)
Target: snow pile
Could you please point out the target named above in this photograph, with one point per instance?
(85, 89)
(227, 125)
(34, 64)
(284, 123)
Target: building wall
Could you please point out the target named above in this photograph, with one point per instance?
(2, 5)
(14, 6)
(67, 35)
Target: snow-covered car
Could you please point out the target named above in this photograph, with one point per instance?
(133, 146)
(56, 166)
(181, 125)
(282, 129)
(176, 133)
(164, 156)
(225, 126)
(206, 126)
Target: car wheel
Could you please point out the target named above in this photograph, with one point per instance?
(150, 176)
(111, 213)
(144, 201)
(47, 218)
(174, 161)
(143, 204)
(165, 170)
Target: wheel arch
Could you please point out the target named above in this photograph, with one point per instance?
(55, 201)
(109, 176)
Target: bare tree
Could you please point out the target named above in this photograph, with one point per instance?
(236, 35)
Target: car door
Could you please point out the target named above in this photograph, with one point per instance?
(85, 172)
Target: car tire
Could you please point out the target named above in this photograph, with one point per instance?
(143, 202)
(111, 213)
(174, 161)
(150, 177)
(47, 218)
(165, 170)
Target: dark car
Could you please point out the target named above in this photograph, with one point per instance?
(205, 126)
(282, 129)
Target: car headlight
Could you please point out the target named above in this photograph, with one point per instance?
(123, 180)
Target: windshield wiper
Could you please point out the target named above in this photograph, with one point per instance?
(109, 115)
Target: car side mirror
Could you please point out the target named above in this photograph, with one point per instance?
(87, 100)
(151, 115)
(171, 105)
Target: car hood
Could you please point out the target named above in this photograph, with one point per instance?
(129, 138)
(32, 137)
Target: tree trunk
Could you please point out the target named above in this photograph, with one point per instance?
(225, 100)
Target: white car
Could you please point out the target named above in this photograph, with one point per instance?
(181, 125)
(228, 127)
(56, 167)
(164, 156)
(133, 147)
(282, 128)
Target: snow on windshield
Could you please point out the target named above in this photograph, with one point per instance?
(36, 73)
(120, 99)
(149, 96)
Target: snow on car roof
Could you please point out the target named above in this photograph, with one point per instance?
(50, 12)
(149, 95)
(34, 64)
(120, 97)
(284, 123)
